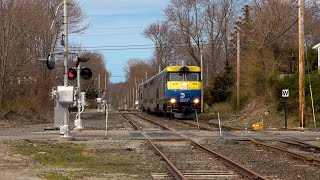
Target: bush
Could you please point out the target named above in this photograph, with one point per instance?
(220, 88)
(278, 82)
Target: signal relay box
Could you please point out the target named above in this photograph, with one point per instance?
(65, 95)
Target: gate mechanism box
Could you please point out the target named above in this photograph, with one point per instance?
(65, 95)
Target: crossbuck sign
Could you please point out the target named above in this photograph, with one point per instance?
(285, 93)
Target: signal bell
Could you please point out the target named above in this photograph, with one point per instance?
(50, 62)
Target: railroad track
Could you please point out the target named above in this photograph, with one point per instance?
(290, 152)
(302, 145)
(203, 125)
(168, 124)
(188, 159)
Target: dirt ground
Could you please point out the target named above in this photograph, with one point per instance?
(31, 152)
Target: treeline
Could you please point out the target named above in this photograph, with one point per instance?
(25, 36)
(269, 43)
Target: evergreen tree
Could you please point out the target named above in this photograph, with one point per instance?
(220, 88)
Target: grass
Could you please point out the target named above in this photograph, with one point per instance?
(255, 111)
(222, 108)
(78, 160)
(55, 176)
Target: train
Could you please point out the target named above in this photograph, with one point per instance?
(173, 92)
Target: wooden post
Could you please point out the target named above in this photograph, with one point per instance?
(301, 64)
(238, 70)
(202, 94)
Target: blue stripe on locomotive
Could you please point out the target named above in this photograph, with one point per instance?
(186, 96)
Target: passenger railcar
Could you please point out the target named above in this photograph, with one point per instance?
(175, 91)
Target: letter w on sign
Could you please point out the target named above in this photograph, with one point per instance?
(285, 93)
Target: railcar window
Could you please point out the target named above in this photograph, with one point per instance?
(192, 77)
(176, 77)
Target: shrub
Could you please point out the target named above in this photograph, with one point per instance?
(220, 88)
(291, 81)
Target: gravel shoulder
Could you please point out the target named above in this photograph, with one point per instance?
(119, 154)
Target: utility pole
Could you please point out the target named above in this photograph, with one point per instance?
(201, 64)
(301, 64)
(133, 101)
(66, 130)
(238, 70)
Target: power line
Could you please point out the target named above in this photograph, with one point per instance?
(128, 47)
(111, 34)
(136, 27)
(120, 46)
(281, 33)
(117, 49)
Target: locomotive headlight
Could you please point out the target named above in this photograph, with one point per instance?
(172, 101)
(196, 101)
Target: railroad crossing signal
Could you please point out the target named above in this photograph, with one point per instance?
(86, 73)
(72, 74)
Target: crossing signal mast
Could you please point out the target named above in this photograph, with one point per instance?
(65, 94)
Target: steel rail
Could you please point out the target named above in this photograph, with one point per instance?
(294, 154)
(175, 171)
(225, 128)
(306, 144)
(136, 127)
(179, 175)
(238, 167)
(153, 122)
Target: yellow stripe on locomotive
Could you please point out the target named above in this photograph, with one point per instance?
(178, 68)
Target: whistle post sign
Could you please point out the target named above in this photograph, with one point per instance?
(285, 93)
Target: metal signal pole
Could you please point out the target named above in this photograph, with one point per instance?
(66, 131)
(301, 64)
(78, 125)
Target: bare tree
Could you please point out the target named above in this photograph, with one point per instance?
(164, 39)
(25, 36)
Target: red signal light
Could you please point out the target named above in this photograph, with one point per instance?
(72, 74)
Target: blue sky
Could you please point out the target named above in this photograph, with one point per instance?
(119, 23)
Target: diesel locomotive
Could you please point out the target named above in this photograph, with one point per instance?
(174, 92)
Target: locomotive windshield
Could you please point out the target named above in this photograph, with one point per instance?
(176, 77)
(183, 77)
(192, 77)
